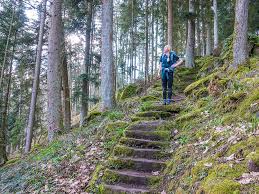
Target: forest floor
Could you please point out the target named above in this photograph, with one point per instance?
(213, 137)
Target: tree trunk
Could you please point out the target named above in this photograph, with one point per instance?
(65, 86)
(216, 34)
(146, 36)
(107, 66)
(198, 52)
(85, 84)
(3, 129)
(36, 80)
(170, 21)
(240, 52)
(54, 73)
(208, 40)
(191, 37)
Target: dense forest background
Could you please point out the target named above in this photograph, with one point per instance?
(59, 59)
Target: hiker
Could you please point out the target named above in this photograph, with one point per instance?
(168, 62)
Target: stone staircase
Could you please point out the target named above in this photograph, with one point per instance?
(138, 160)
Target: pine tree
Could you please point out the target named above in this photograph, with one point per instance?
(107, 66)
(54, 73)
(240, 52)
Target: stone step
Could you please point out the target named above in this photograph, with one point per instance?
(144, 143)
(124, 151)
(150, 135)
(136, 164)
(146, 125)
(130, 177)
(125, 189)
(156, 114)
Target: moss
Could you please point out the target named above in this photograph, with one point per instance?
(154, 182)
(92, 115)
(246, 146)
(225, 186)
(244, 107)
(156, 114)
(149, 98)
(110, 177)
(254, 156)
(92, 185)
(134, 118)
(121, 150)
(199, 83)
(200, 170)
(189, 115)
(118, 124)
(116, 163)
(129, 91)
(231, 102)
(158, 107)
(114, 115)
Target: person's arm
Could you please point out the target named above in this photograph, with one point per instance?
(179, 62)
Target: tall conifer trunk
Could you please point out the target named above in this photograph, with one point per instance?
(54, 70)
(240, 52)
(107, 66)
(35, 86)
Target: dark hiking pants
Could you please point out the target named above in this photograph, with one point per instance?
(167, 84)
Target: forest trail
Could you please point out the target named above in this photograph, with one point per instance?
(138, 160)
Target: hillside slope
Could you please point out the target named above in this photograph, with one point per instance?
(212, 137)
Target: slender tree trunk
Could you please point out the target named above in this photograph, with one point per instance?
(216, 34)
(3, 129)
(170, 21)
(198, 52)
(190, 38)
(240, 51)
(107, 66)
(146, 36)
(156, 45)
(208, 40)
(54, 73)
(65, 86)
(85, 84)
(35, 86)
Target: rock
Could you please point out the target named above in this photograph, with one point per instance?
(252, 167)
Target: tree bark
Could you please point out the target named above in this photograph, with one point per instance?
(189, 62)
(170, 21)
(54, 73)
(216, 34)
(208, 40)
(240, 51)
(107, 66)
(85, 84)
(146, 36)
(65, 86)
(35, 86)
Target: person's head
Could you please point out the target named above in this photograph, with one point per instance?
(167, 49)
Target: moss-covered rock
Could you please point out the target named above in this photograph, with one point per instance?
(174, 108)
(156, 114)
(225, 186)
(203, 82)
(129, 91)
(92, 115)
(136, 118)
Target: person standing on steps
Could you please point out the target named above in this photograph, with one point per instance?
(168, 62)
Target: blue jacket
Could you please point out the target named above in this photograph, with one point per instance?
(167, 66)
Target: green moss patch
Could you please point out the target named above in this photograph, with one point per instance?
(129, 91)
(156, 114)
